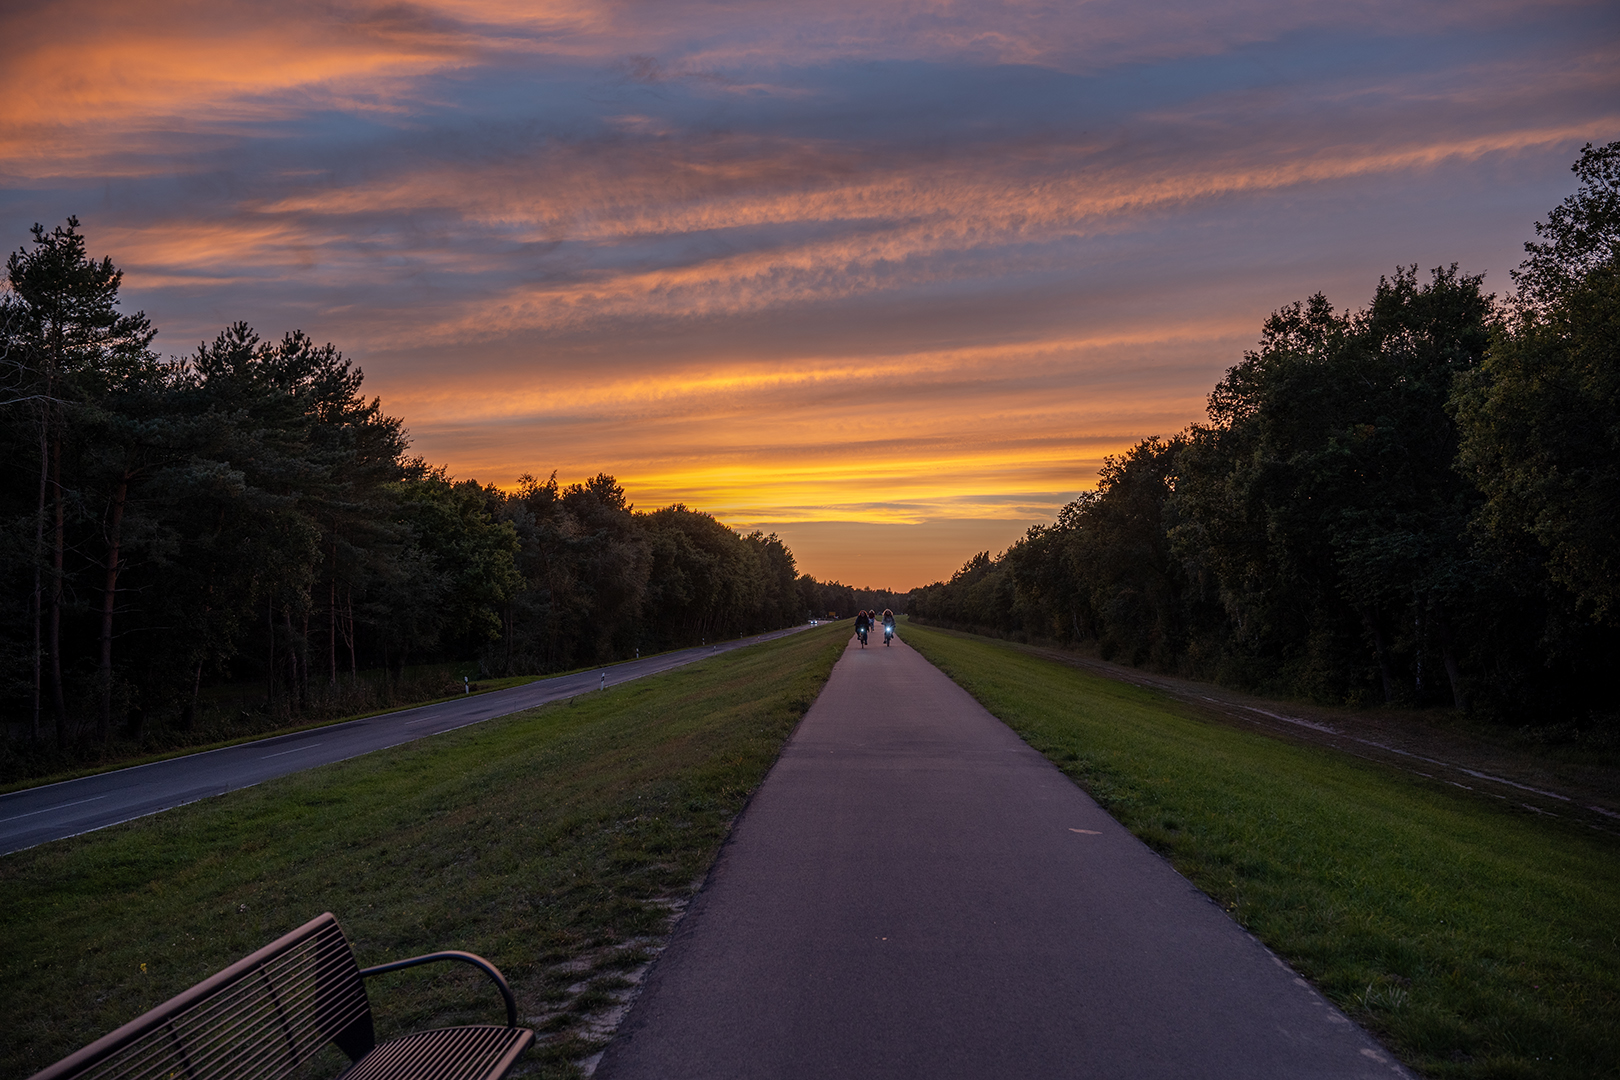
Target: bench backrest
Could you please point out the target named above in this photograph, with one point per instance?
(260, 1018)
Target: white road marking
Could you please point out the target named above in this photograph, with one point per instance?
(552, 693)
(48, 809)
(294, 750)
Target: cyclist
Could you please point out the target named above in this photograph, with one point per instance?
(888, 625)
(863, 623)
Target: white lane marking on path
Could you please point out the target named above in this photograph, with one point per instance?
(294, 750)
(59, 806)
(1087, 832)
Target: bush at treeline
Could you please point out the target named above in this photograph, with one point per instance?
(246, 512)
(1417, 502)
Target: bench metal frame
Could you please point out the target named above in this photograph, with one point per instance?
(269, 1013)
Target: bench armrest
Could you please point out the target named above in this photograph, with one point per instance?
(466, 958)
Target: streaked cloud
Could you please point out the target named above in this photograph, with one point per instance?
(901, 264)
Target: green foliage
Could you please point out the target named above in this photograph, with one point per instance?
(1543, 441)
(1582, 233)
(978, 595)
(599, 580)
(65, 336)
(1475, 940)
(468, 563)
(74, 369)
(1415, 502)
(247, 515)
(1321, 501)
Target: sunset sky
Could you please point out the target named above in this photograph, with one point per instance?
(888, 279)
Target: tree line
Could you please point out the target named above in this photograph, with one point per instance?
(1416, 502)
(598, 580)
(247, 512)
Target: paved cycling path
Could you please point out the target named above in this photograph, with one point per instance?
(914, 892)
(38, 815)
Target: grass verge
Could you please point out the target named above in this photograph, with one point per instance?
(1475, 940)
(555, 843)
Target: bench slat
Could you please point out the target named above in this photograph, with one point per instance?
(269, 1013)
(259, 1018)
(459, 1053)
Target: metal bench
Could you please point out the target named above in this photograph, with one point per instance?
(266, 1015)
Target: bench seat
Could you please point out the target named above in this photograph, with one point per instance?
(457, 1053)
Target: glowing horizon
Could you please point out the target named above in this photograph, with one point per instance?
(891, 279)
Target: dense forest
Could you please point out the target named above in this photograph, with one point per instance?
(1414, 502)
(246, 514)
(1417, 502)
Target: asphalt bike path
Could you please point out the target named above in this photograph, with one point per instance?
(914, 892)
(54, 811)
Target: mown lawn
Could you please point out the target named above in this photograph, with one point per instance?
(552, 842)
(1475, 939)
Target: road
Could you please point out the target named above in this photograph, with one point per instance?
(914, 892)
(42, 814)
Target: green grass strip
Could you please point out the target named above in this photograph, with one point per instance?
(549, 842)
(1475, 939)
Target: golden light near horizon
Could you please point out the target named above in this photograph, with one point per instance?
(892, 279)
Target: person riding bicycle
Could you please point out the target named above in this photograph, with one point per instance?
(888, 625)
(863, 623)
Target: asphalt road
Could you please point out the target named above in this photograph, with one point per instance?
(913, 892)
(39, 815)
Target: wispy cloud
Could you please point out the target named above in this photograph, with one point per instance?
(904, 262)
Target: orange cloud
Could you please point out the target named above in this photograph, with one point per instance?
(460, 397)
(853, 226)
(77, 75)
(682, 252)
(994, 432)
